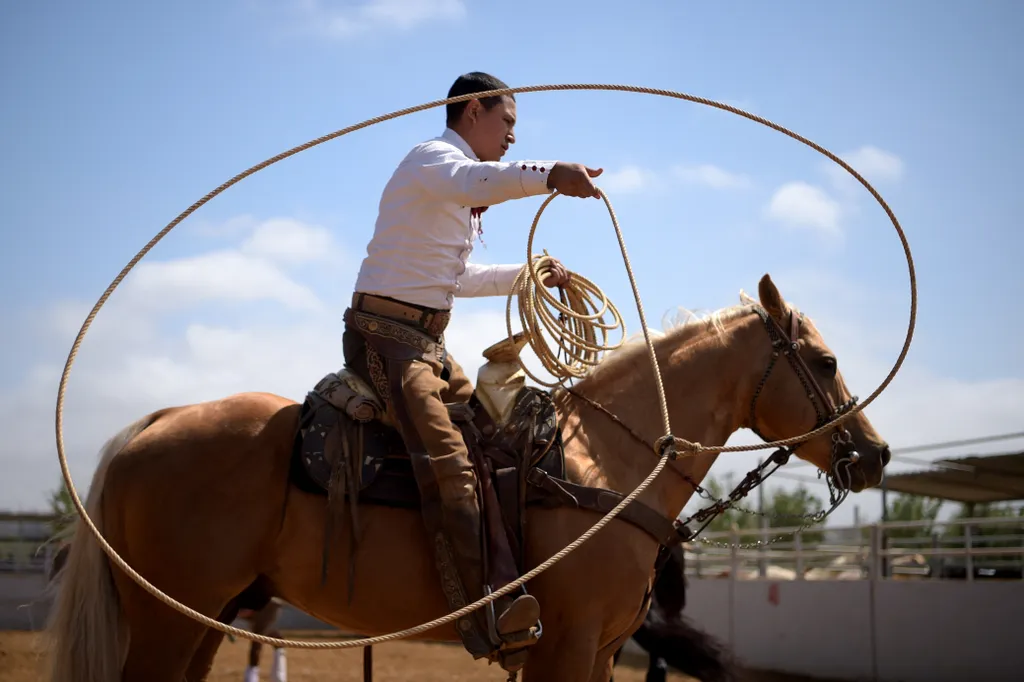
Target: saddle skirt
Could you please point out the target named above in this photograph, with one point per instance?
(348, 446)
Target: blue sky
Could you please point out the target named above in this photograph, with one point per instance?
(118, 116)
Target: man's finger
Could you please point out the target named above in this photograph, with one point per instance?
(594, 173)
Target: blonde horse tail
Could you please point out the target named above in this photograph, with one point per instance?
(87, 636)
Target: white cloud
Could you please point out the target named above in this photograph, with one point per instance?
(632, 178)
(290, 241)
(711, 176)
(342, 20)
(627, 180)
(219, 275)
(798, 204)
(875, 165)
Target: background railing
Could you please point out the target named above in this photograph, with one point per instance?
(25, 542)
(987, 548)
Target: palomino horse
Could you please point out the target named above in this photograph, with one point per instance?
(199, 499)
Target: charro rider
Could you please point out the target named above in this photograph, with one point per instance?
(415, 267)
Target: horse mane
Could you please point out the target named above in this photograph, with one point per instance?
(680, 327)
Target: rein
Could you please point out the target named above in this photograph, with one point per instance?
(843, 454)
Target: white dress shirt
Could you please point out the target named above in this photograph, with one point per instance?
(426, 227)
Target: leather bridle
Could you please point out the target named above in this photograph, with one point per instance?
(826, 410)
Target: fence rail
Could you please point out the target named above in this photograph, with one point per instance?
(985, 547)
(957, 549)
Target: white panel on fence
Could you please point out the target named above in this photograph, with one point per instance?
(924, 630)
(707, 605)
(819, 628)
(944, 630)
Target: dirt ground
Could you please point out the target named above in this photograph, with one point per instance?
(20, 661)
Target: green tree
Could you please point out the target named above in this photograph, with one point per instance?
(63, 509)
(912, 508)
(783, 507)
(1009, 535)
(728, 519)
(791, 507)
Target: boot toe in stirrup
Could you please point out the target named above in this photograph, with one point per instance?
(522, 614)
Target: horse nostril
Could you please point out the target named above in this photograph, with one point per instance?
(886, 455)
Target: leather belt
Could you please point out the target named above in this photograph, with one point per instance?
(430, 320)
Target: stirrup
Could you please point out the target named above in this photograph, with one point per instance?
(525, 614)
(513, 638)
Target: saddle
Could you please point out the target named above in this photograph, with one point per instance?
(347, 445)
(347, 448)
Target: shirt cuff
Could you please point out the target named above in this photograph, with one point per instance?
(533, 177)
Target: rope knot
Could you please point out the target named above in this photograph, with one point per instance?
(683, 444)
(666, 446)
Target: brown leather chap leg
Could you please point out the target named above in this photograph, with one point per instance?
(405, 367)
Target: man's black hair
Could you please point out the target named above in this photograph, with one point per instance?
(475, 81)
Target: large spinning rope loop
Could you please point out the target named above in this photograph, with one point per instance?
(584, 343)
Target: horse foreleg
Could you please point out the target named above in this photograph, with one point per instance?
(202, 661)
(603, 671)
(615, 662)
(563, 656)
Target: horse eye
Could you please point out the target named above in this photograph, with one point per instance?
(829, 364)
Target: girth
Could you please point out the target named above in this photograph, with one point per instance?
(551, 492)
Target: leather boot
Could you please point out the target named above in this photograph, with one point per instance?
(513, 616)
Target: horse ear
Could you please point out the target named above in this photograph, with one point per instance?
(771, 299)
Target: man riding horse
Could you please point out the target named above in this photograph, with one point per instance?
(417, 264)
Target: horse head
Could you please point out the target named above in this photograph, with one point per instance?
(803, 389)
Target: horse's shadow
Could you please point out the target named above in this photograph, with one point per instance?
(671, 640)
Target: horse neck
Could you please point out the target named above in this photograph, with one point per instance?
(709, 379)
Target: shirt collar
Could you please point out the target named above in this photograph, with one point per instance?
(456, 139)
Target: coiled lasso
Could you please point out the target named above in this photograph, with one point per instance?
(573, 324)
(666, 445)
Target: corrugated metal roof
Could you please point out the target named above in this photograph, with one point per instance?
(975, 478)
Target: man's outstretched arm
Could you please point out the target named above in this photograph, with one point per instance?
(447, 173)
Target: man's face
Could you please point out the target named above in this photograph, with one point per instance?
(491, 132)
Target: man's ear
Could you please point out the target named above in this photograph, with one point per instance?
(472, 111)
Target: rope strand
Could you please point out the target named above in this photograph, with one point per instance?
(576, 339)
